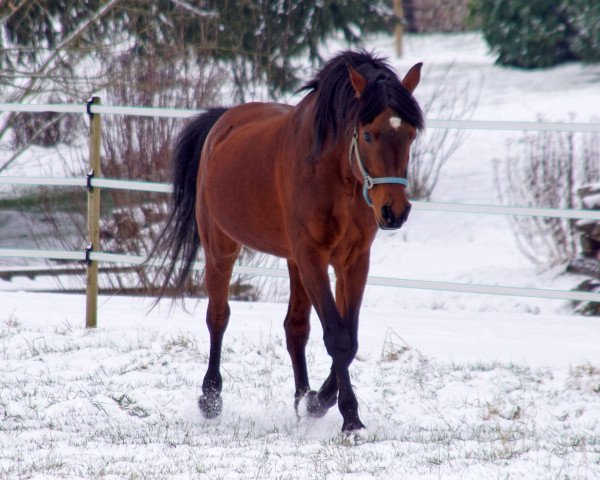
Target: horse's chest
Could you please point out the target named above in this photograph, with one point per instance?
(353, 242)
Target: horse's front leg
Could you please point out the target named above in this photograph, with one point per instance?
(350, 285)
(340, 337)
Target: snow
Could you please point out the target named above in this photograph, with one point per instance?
(451, 386)
(592, 201)
(443, 394)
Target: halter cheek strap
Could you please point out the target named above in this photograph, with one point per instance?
(368, 181)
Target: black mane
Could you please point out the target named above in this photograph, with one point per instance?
(336, 106)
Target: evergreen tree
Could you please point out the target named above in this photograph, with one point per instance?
(526, 33)
(257, 38)
(540, 33)
(584, 18)
(260, 37)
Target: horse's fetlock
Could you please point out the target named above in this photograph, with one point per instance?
(212, 385)
(348, 405)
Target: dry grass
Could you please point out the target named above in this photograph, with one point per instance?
(108, 404)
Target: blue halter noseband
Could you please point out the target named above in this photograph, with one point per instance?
(369, 181)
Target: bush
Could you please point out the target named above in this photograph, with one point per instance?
(540, 33)
(547, 173)
(45, 129)
(525, 33)
(451, 98)
(584, 17)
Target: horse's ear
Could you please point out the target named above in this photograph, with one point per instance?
(358, 81)
(412, 78)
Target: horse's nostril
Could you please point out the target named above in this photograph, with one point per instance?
(388, 214)
(405, 213)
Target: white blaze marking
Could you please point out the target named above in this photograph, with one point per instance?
(395, 122)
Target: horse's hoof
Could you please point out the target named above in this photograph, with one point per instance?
(352, 426)
(315, 408)
(210, 406)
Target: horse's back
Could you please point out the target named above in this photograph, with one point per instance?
(248, 127)
(239, 180)
(255, 113)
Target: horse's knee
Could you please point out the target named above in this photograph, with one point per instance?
(341, 345)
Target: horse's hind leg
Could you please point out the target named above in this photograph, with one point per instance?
(297, 329)
(217, 278)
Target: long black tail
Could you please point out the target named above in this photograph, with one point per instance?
(179, 241)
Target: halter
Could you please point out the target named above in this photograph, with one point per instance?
(369, 181)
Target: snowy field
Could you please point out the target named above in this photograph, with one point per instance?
(450, 386)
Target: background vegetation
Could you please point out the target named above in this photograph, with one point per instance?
(195, 53)
(171, 53)
(540, 33)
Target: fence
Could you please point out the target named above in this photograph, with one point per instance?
(94, 183)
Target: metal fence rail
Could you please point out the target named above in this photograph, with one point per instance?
(135, 185)
(181, 113)
(553, 294)
(94, 183)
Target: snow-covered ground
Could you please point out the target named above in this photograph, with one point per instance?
(449, 385)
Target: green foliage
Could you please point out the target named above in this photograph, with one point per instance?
(540, 33)
(266, 34)
(584, 17)
(256, 38)
(525, 33)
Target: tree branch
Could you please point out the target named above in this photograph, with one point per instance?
(37, 76)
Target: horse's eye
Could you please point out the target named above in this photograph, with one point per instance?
(367, 137)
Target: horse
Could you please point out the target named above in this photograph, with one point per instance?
(310, 183)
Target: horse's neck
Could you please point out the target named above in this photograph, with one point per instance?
(334, 157)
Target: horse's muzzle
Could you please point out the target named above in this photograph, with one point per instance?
(390, 221)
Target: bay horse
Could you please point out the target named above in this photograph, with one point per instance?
(310, 183)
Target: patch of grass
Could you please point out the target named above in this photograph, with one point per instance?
(585, 377)
(33, 200)
(394, 347)
(12, 321)
(127, 404)
(64, 329)
(181, 342)
(501, 410)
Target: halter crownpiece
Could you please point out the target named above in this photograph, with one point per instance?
(368, 181)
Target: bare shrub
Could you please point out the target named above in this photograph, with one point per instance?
(44, 129)
(431, 150)
(546, 172)
(137, 148)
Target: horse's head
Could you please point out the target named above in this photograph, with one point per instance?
(380, 146)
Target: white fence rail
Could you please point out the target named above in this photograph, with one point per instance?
(553, 294)
(134, 185)
(181, 113)
(93, 257)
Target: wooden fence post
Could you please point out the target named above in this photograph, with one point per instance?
(399, 30)
(93, 217)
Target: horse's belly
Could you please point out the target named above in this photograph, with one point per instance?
(244, 202)
(266, 237)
